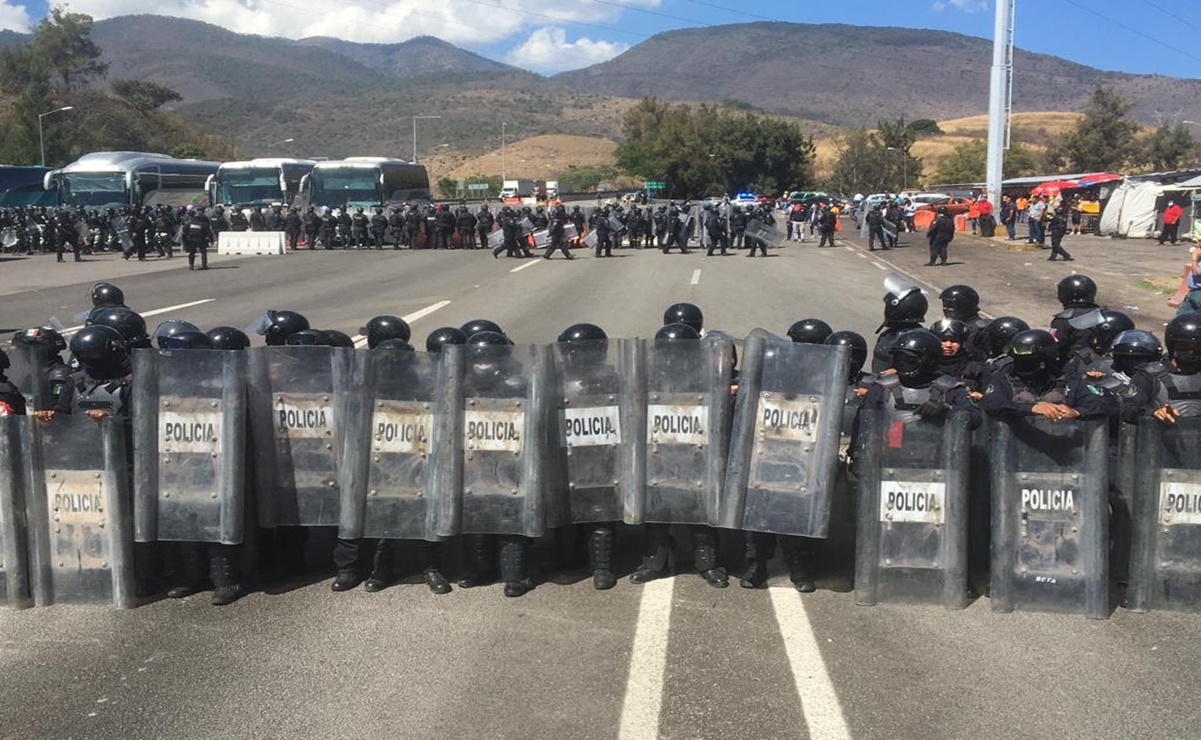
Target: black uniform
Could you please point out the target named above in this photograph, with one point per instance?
(197, 235)
(484, 221)
(292, 228)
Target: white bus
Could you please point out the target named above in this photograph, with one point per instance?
(259, 182)
(366, 182)
(104, 179)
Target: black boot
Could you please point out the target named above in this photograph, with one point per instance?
(436, 581)
(381, 569)
(186, 570)
(227, 577)
(479, 559)
(755, 575)
(513, 566)
(600, 557)
(704, 556)
(799, 573)
(347, 579)
(656, 551)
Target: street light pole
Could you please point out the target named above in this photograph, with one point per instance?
(904, 166)
(503, 168)
(415, 134)
(41, 137)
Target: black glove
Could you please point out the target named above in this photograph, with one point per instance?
(933, 410)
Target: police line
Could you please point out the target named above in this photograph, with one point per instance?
(520, 440)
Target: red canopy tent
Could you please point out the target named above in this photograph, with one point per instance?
(1054, 186)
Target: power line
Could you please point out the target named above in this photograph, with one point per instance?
(1172, 15)
(1131, 29)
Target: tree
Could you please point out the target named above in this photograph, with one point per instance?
(925, 127)
(63, 42)
(1104, 139)
(896, 134)
(144, 96)
(1169, 148)
(710, 150)
(968, 163)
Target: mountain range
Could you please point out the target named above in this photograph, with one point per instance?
(337, 98)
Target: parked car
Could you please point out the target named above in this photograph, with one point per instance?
(954, 205)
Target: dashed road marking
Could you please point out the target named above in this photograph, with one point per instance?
(882, 267)
(531, 263)
(643, 701)
(696, 277)
(154, 312)
(819, 704)
(862, 256)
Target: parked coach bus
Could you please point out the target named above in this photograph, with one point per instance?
(259, 182)
(104, 179)
(366, 182)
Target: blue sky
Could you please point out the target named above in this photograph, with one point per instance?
(1145, 36)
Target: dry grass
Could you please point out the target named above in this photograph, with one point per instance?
(537, 157)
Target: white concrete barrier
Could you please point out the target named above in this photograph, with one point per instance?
(250, 242)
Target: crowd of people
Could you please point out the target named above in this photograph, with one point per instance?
(1092, 362)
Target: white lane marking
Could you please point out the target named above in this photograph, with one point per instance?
(648, 663)
(155, 312)
(862, 256)
(849, 249)
(360, 340)
(882, 267)
(696, 277)
(531, 263)
(819, 703)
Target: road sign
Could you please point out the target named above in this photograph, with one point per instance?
(655, 185)
(477, 186)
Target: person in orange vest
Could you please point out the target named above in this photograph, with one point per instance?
(973, 215)
(1022, 204)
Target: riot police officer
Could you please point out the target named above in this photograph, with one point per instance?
(484, 221)
(197, 236)
(238, 221)
(715, 228)
(12, 403)
(1032, 384)
(465, 224)
(57, 373)
(1078, 296)
(904, 309)
(1175, 390)
(293, 226)
(809, 331)
(312, 226)
(557, 231)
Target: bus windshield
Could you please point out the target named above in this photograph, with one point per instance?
(93, 189)
(251, 186)
(340, 187)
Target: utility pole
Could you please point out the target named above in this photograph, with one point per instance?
(1000, 96)
(415, 135)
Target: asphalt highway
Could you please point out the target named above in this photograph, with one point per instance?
(673, 659)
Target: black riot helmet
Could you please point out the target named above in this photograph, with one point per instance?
(128, 323)
(1183, 341)
(439, 338)
(186, 339)
(335, 338)
(227, 337)
(915, 354)
(277, 326)
(960, 302)
(857, 344)
(475, 326)
(809, 331)
(905, 308)
(101, 351)
(579, 333)
(306, 338)
(106, 294)
(1134, 348)
(384, 327)
(685, 313)
(1077, 291)
(41, 336)
(394, 344)
(170, 328)
(1113, 323)
(1032, 351)
(950, 330)
(488, 339)
(676, 332)
(1001, 330)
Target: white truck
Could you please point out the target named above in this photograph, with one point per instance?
(518, 189)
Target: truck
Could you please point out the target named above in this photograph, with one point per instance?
(518, 189)
(552, 189)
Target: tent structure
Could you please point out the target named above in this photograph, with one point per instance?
(1131, 210)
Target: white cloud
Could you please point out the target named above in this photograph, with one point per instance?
(468, 23)
(548, 50)
(14, 17)
(967, 6)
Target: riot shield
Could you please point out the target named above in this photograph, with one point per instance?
(541, 238)
(615, 225)
(784, 446)
(297, 398)
(756, 229)
(80, 528)
(396, 433)
(1050, 517)
(911, 533)
(189, 429)
(8, 237)
(14, 547)
(590, 239)
(29, 368)
(681, 441)
(121, 228)
(1165, 563)
(494, 481)
(496, 238)
(596, 410)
